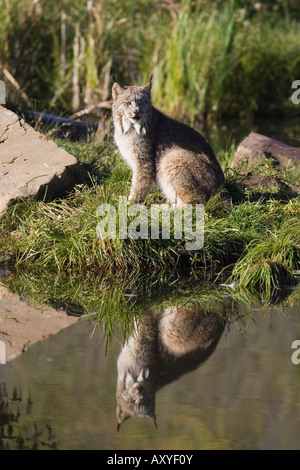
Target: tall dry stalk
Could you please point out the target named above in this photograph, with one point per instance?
(76, 89)
(63, 35)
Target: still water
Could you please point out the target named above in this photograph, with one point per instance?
(236, 388)
(223, 134)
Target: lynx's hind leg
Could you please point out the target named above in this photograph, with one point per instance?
(180, 175)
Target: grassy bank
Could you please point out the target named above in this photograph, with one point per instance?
(115, 305)
(209, 58)
(251, 236)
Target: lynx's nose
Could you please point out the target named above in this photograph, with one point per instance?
(139, 389)
(136, 113)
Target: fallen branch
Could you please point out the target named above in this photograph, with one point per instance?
(93, 107)
(17, 86)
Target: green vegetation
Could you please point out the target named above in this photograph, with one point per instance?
(115, 305)
(209, 58)
(251, 236)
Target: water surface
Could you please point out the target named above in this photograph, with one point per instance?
(244, 396)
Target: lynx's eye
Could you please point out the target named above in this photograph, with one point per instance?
(128, 103)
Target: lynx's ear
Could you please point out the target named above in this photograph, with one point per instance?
(117, 89)
(148, 86)
(153, 417)
(121, 416)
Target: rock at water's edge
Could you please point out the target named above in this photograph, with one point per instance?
(31, 164)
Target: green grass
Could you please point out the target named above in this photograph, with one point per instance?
(271, 262)
(253, 237)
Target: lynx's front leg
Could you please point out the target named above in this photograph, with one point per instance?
(143, 180)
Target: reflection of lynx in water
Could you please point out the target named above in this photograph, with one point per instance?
(161, 350)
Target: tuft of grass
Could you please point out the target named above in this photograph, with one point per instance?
(270, 262)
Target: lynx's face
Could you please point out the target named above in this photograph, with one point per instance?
(132, 107)
(135, 396)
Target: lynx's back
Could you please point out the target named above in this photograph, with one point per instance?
(161, 151)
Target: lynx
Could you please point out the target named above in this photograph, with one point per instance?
(161, 151)
(161, 349)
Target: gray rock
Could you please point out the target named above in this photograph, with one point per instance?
(31, 165)
(256, 147)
